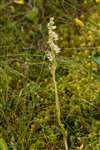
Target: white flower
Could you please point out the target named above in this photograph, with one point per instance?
(53, 36)
(50, 57)
(54, 47)
(51, 23)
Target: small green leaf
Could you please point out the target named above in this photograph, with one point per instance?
(96, 58)
(32, 15)
(95, 75)
(3, 145)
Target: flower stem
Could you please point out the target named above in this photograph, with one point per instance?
(58, 113)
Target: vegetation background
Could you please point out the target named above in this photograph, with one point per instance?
(27, 105)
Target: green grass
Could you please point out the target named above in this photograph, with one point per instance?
(27, 101)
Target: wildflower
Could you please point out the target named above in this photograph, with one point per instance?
(97, 1)
(19, 2)
(53, 36)
(52, 39)
(81, 147)
(78, 22)
(50, 57)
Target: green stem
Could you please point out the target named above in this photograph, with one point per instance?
(58, 113)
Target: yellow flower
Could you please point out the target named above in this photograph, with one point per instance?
(78, 22)
(81, 147)
(19, 2)
(97, 1)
